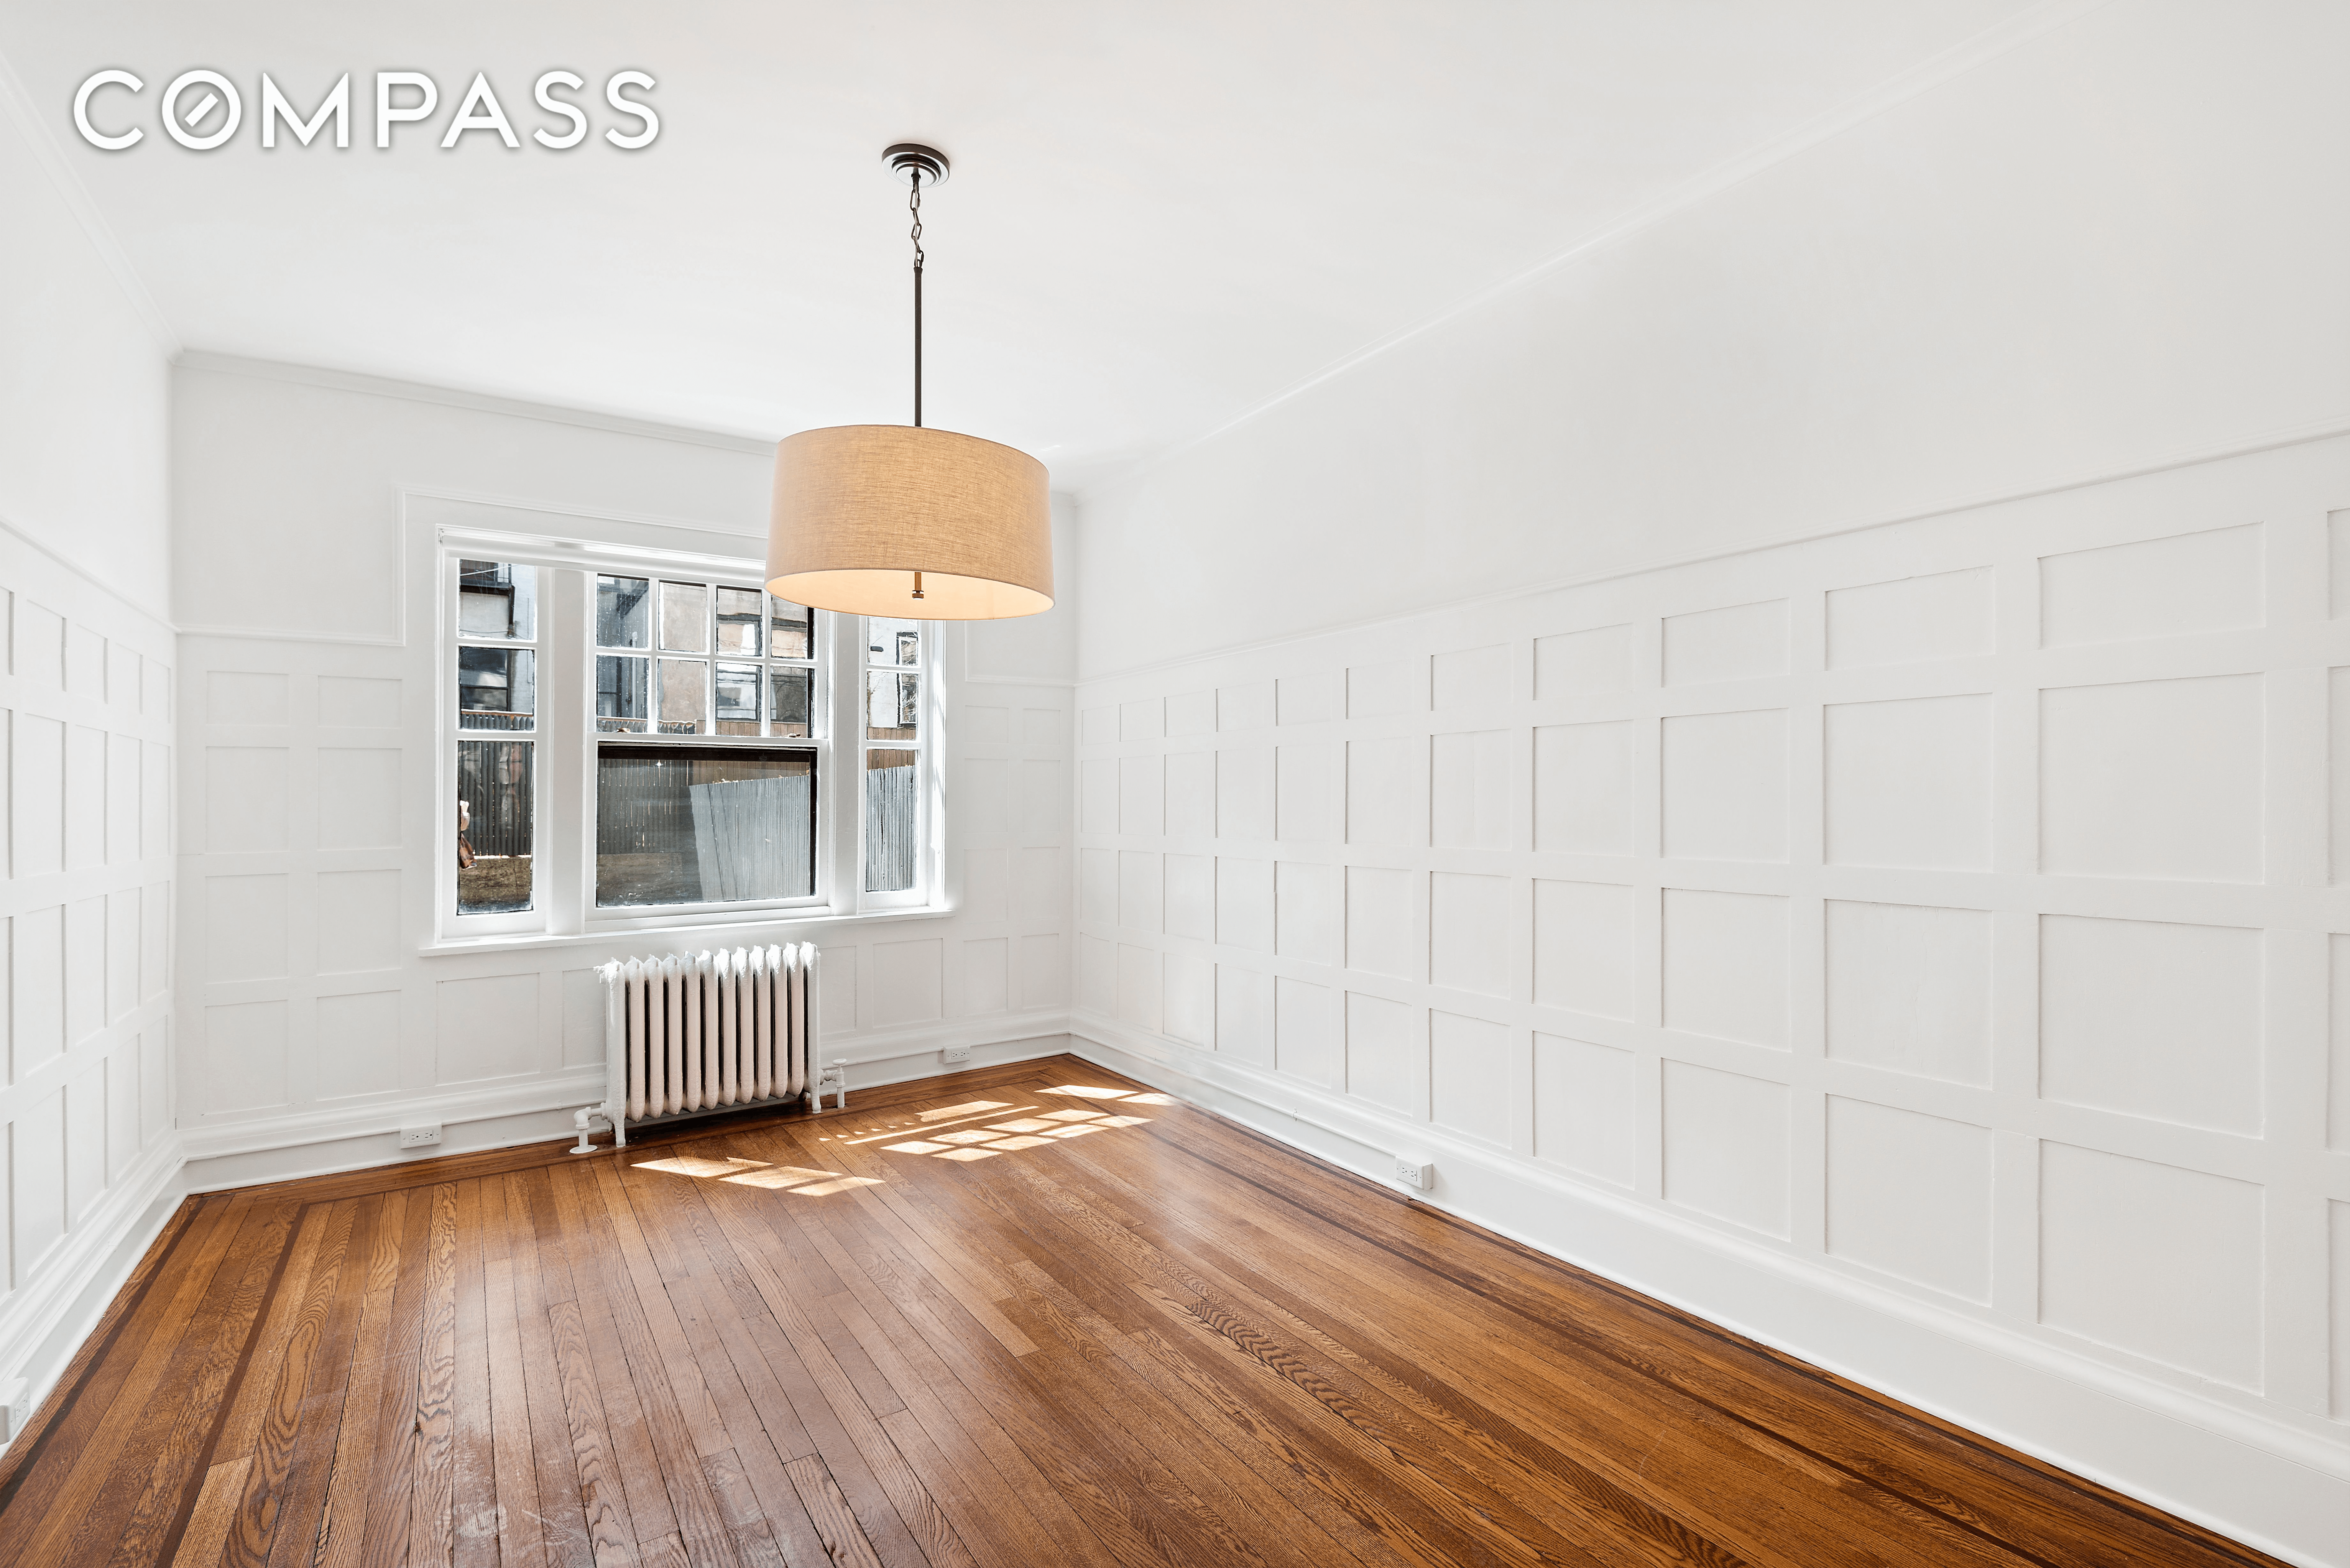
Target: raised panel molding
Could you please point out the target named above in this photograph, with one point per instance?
(1920, 916)
(88, 1156)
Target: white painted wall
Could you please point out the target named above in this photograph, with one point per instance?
(2107, 249)
(1916, 947)
(86, 899)
(314, 1025)
(1910, 948)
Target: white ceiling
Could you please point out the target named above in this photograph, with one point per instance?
(1159, 215)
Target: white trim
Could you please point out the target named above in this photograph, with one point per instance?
(546, 1091)
(126, 1219)
(757, 540)
(803, 928)
(1955, 61)
(875, 1059)
(255, 634)
(16, 104)
(2273, 440)
(162, 622)
(2255, 1478)
(477, 402)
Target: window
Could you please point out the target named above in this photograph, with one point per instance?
(680, 728)
(892, 742)
(682, 824)
(497, 793)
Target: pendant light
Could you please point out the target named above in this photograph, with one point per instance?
(903, 520)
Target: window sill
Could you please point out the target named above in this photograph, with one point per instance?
(734, 934)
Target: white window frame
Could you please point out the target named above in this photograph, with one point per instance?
(926, 721)
(564, 767)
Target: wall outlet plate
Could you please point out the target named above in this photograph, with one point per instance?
(1416, 1173)
(417, 1137)
(957, 1052)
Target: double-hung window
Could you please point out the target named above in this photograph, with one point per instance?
(641, 746)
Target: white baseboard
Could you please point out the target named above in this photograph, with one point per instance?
(50, 1317)
(2272, 1484)
(324, 1143)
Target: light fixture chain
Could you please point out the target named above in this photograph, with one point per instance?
(914, 206)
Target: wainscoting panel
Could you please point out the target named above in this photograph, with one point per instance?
(319, 1028)
(87, 1146)
(1947, 915)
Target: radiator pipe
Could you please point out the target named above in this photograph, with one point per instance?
(584, 1118)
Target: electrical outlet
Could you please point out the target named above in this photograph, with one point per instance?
(957, 1052)
(1419, 1173)
(417, 1137)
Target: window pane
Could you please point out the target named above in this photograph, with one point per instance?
(738, 620)
(685, 618)
(624, 616)
(892, 641)
(787, 629)
(623, 692)
(495, 801)
(892, 816)
(494, 599)
(494, 689)
(684, 695)
(738, 698)
(893, 706)
(791, 696)
(694, 825)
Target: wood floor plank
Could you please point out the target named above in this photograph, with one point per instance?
(562, 1513)
(474, 1463)
(1791, 1534)
(432, 1504)
(957, 1416)
(121, 1433)
(683, 1372)
(1166, 1341)
(668, 1496)
(651, 1520)
(268, 1429)
(198, 1405)
(756, 1418)
(205, 1540)
(835, 1521)
(821, 1397)
(522, 1536)
(88, 1383)
(317, 1432)
(1584, 1484)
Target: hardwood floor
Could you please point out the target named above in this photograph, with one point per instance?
(1125, 1332)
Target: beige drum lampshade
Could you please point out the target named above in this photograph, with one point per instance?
(859, 509)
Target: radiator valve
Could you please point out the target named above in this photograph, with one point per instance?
(585, 1119)
(835, 1078)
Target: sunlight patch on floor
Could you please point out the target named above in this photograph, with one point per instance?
(1028, 1132)
(798, 1180)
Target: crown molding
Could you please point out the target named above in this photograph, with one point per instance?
(355, 381)
(17, 106)
(1985, 46)
(2325, 428)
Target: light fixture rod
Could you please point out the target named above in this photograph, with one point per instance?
(914, 205)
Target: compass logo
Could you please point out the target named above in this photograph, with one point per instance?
(203, 109)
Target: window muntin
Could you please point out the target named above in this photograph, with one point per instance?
(496, 802)
(761, 682)
(681, 823)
